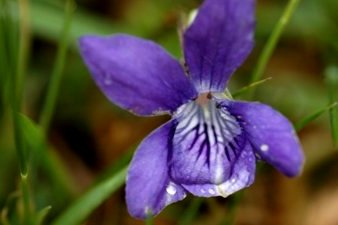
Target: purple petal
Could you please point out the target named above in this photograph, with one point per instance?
(218, 41)
(208, 144)
(149, 188)
(271, 135)
(242, 175)
(136, 74)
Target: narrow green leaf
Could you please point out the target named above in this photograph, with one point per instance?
(19, 142)
(248, 87)
(24, 45)
(272, 41)
(38, 146)
(56, 77)
(42, 214)
(31, 132)
(9, 206)
(332, 84)
(301, 124)
(85, 205)
(50, 163)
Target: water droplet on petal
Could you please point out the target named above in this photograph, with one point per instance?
(211, 191)
(233, 180)
(171, 190)
(264, 147)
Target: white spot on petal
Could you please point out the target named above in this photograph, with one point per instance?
(171, 190)
(211, 191)
(264, 147)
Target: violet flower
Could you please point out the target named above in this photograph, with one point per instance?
(211, 144)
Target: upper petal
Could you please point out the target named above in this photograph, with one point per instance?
(218, 41)
(149, 188)
(271, 135)
(136, 74)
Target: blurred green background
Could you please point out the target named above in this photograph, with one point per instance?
(89, 138)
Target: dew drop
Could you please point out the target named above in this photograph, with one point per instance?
(171, 190)
(211, 191)
(233, 180)
(264, 147)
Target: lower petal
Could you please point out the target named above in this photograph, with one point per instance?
(206, 144)
(242, 176)
(271, 135)
(149, 188)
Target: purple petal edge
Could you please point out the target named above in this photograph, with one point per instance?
(218, 42)
(271, 134)
(136, 74)
(149, 188)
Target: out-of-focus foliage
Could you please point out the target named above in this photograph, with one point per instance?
(91, 139)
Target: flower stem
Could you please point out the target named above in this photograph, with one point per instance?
(56, 77)
(232, 208)
(271, 43)
(26, 200)
(191, 211)
(24, 45)
(149, 220)
(16, 43)
(50, 162)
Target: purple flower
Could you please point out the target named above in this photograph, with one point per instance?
(211, 144)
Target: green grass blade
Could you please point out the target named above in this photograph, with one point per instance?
(19, 142)
(272, 41)
(332, 84)
(38, 146)
(31, 132)
(301, 124)
(85, 205)
(42, 215)
(56, 77)
(250, 86)
(16, 42)
(24, 45)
